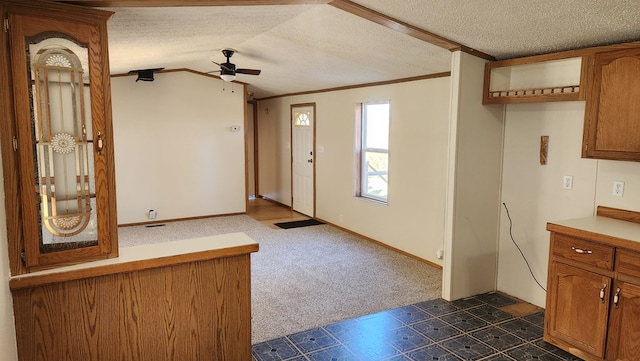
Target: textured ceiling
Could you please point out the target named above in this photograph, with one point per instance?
(311, 47)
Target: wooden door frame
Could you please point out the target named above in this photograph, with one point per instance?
(246, 148)
(313, 156)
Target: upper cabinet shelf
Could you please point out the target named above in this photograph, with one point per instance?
(544, 78)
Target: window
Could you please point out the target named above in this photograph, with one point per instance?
(302, 119)
(372, 123)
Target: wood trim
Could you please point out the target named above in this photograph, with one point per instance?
(179, 70)
(256, 177)
(274, 201)
(179, 219)
(562, 55)
(395, 24)
(364, 85)
(474, 52)
(422, 260)
(10, 158)
(404, 28)
(245, 133)
(57, 9)
(169, 3)
(133, 259)
(621, 214)
(193, 311)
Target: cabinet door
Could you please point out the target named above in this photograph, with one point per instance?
(577, 308)
(624, 326)
(63, 126)
(612, 117)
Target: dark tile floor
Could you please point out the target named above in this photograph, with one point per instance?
(471, 329)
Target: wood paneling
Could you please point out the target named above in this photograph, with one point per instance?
(191, 311)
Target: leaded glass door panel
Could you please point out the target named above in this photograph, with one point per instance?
(65, 153)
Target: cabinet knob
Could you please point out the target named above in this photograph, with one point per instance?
(604, 287)
(616, 297)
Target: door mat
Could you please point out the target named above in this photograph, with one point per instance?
(296, 224)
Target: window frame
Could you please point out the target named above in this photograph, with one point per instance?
(361, 151)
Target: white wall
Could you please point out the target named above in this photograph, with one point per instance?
(473, 192)
(413, 220)
(533, 192)
(8, 347)
(174, 148)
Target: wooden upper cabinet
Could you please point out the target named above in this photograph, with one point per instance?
(62, 145)
(612, 116)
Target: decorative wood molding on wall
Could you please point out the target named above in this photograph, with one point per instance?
(345, 5)
(405, 28)
(168, 3)
(387, 82)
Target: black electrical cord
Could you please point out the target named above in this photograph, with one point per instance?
(518, 247)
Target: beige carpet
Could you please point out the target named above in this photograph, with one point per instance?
(311, 276)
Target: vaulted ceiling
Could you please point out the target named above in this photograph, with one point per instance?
(308, 45)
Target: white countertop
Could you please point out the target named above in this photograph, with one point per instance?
(149, 256)
(606, 226)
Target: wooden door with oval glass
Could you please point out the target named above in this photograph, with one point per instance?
(303, 158)
(63, 123)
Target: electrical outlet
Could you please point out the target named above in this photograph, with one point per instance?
(618, 188)
(567, 182)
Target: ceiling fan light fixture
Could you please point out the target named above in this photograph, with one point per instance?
(228, 77)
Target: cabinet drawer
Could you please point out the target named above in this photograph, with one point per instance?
(583, 251)
(628, 263)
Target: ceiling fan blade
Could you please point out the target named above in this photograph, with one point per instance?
(248, 71)
(213, 71)
(224, 66)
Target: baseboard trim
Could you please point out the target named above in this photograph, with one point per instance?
(427, 262)
(157, 221)
(273, 201)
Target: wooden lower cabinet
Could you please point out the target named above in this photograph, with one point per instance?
(593, 297)
(576, 313)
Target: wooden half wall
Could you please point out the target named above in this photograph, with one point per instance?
(186, 307)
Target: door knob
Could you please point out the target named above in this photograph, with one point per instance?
(309, 160)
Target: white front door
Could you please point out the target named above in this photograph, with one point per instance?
(303, 158)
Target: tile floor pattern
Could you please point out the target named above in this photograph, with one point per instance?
(469, 329)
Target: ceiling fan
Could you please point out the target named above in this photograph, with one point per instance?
(228, 70)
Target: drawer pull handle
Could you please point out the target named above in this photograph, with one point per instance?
(581, 251)
(604, 286)
(616, 298)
